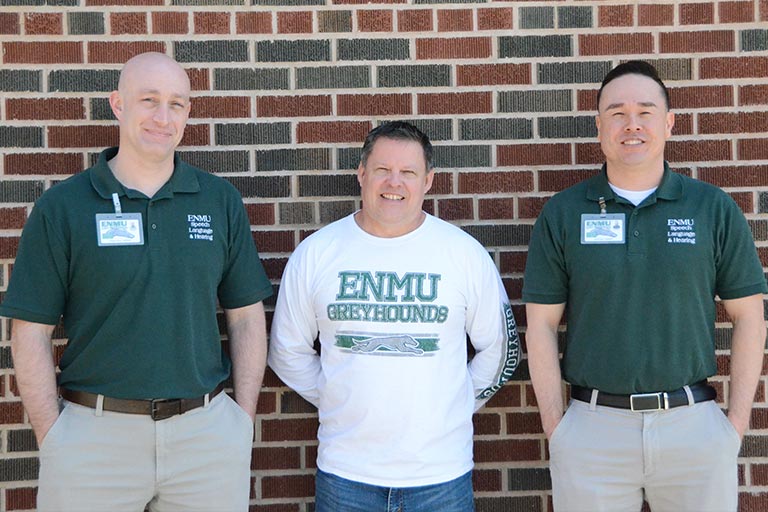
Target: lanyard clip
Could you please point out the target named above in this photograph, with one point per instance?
(116, 202)
(601, 202)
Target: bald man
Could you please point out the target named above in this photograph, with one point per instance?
(133, 256)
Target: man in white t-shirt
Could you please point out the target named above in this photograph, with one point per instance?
(392, 292)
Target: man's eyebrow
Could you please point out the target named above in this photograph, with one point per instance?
(642, 104)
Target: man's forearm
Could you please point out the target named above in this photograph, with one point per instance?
(35, 374)
(246, 329)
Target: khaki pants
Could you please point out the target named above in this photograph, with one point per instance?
(106, 461)
(680, 460)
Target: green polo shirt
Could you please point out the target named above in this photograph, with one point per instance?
(141, 319)
(641, 313)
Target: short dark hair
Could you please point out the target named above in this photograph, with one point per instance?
(634, 67)
(398, 130)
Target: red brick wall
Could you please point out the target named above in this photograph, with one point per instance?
(285, 92)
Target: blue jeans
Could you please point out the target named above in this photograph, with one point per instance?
(336, 494)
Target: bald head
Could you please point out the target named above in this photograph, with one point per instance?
(144, 66)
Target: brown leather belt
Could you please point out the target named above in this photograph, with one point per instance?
(158, 409)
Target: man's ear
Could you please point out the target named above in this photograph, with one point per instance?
(116, 102)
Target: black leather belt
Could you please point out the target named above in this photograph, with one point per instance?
(158, 409)
(660, 401)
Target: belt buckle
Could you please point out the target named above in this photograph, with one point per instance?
(159, 412)
(648, 402)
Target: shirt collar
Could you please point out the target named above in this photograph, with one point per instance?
(670, 188)
(183, 180)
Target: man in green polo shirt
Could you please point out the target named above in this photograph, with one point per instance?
(134, 255)
(638, 254)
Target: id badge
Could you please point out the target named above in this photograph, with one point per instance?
(602, 229)
(117, 230)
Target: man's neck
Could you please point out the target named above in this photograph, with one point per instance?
(635, 178)
(139, 174)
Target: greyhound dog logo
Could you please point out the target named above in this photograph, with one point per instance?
(402, 343)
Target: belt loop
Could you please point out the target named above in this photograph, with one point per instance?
(593, 400)
(99, 405)
(689, 394)
(206, 400)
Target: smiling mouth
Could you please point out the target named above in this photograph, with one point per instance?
(633, 142)
(392, 197)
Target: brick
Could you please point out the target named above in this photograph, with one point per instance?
(10, 412)
(523, 423)
(753, 95)
(40, 52)
(293, 51)
(697, 13)
(733, 122)
(433, 75)
(329, 185)
(535, 46)
(763, 208)
(530, 207)
(754, 40)
(573, 72)
(334, 21)
(507, 396)
(43, 23)
(19, 469)
(43, 163)
(9, 23)
(373, 49)
(20, 191)
(82, 136)
(199, 79)
(529, 479)
(567, 127)
(508, 450)
(211, 51)
(500, 235)
(21, 137)
(455, 209)
(373, 104)
(235, 134)
(5, 352)
(338, 131)
(759, 473)
(454, 20)
(265, 458)
(274, 241)
(293, 159)
(12, 218)
(534, 154)
(261, 214)
(85, 23)
(745, 201)
(495, 18)
(493, 74)
(613, 44)
(83, 80)
(495, 129)
(496, 208)
(742, 67)
(294, 429)
(752, 149)
(211, 22)
(574, 17)
(655, 15)
(414, 20)
(486, 480)
(506, 504)
(537, 17)
(334, 210)
(454, 48)
(442, 184)
(274, 267)
(128, 22)
(124, 2)
(292, 403)
(495, 182)
(288, 486)
(455, 103)
(364, 2)
(293, 106)
(453, 157)
(486, 424)
(22, 498)
(196, 135)
(218, 161)
(170, 23)
(375, 20)
(763, 10)
(696, 42)
(297, 213)
(21, 441)
(294, 22)
(253, 22)
(701, 96)
(535, 101)
(616, 15)
(736, 12)
(238, 79)
(101, 110)
(333, 77)
(674, 69)
(754, 446)
(119, 52)
(698, 151)
(44, 108)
